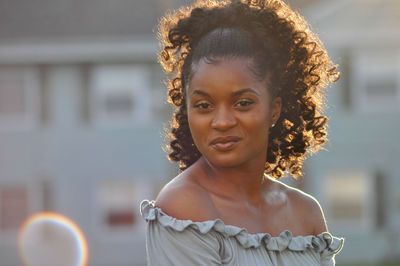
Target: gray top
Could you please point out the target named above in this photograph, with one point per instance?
(170, 241)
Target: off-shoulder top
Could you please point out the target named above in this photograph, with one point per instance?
(170, 241)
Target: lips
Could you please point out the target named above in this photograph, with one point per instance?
(225, 143)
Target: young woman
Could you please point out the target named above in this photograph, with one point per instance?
(247, 79)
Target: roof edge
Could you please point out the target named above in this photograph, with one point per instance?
(78, 50)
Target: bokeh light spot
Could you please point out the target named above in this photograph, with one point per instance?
(48, 239)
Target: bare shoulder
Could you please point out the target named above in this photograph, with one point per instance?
(184, 199)
(308, 207)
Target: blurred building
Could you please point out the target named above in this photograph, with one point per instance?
(357, 179)
(82, 111)
(82, 107)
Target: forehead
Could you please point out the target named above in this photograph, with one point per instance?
(234, 72)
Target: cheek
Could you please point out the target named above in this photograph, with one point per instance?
(198, 127)
(259, 129)
(257, 126)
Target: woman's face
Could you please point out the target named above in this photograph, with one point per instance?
(230, 113)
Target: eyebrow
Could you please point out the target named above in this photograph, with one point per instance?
(199, 92)
(236, 93)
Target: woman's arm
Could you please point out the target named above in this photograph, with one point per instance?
(173, 239)
(167, 246)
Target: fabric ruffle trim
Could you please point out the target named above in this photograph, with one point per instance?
(324, 243)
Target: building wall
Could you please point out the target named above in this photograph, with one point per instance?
(68, 157)
(356, 177)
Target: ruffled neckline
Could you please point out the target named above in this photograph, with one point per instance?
(323, 242)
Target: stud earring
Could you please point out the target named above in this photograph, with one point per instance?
(273, 125)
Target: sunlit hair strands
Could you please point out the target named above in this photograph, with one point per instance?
(285, 53)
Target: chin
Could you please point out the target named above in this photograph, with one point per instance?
(236, 159)
(225, 161)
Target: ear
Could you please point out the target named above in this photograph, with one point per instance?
(276, 107)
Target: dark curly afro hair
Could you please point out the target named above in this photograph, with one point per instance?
(282, 47)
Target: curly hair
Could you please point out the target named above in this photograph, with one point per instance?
(282, 47)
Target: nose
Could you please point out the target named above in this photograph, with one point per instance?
(224, 118)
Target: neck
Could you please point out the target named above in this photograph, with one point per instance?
(244, 183)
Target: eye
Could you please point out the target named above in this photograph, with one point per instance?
(243, 104)
(202, 106)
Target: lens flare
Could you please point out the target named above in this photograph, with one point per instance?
(49, 239)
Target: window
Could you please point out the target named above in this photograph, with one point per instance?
(376, 83)
(117, 202)
(119, 95)
(19, 94)
(18, 200)
(350, 200)
(13, 208)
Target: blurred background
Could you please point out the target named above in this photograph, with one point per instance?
(82, 112)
